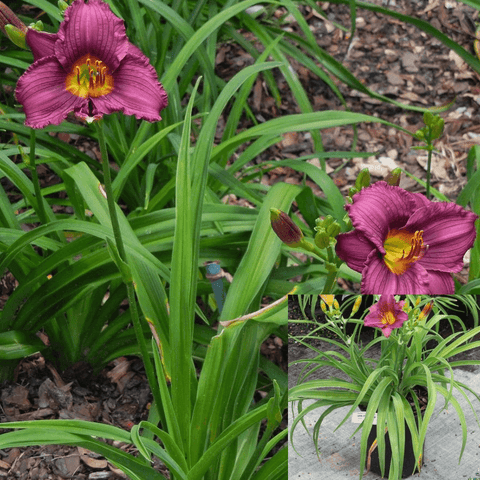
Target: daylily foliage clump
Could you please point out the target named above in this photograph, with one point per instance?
(88, 67)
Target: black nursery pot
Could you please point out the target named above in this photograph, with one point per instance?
(408, 459)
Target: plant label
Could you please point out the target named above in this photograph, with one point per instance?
(359, 417)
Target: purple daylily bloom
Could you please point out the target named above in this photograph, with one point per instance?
(88, 67)
(404, 243)
(386, 314)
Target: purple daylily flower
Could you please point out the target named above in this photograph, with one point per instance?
(386, 314)
(404, 243)
(88, 67)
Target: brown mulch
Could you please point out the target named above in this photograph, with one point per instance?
(119, 395)
(393, 59)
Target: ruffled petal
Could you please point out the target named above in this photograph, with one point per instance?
(354, 248)
(134, 50)
(420, 200)
(448, 230)
(379, 208)
(136, 91)
(91, 29)
(441, 283)
(41, 91)
(42, 44)
(378, 279)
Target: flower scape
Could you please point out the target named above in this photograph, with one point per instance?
(403, 243)
(88, 67)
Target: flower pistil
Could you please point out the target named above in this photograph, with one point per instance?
(397, 243)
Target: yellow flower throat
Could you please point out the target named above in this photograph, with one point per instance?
(403, 249)
(89, 77)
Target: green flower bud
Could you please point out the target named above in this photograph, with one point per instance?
(62, 5)
(420, 134)
(393, 178)
(428, 118)
(16, 35)
(347, 221)
(363, 179)
(352, 191)
(333, 230)
(322, 239)
(437, 127)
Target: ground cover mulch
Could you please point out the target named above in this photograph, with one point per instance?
(119, 395)
(389, 57)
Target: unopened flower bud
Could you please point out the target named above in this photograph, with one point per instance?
(352, 191)
(287, 231)
(328, 299)
(393, 178)
(16, 36)
(38, 25)
(322, 239)
(420, 134)
(437, 127)
(336, 305)
(428, 118)
(363, 179)
(426, 310)
(333, 230)
(356, 305)
(62, 5)
(327, 229)
(7, 17)
(347, 221)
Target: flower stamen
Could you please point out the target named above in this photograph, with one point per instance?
(403, 249)
(388, 318)
(89, 77)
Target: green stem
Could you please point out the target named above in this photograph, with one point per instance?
(107, 180)
(42, 214)
(152, 380)
(332, 275)
(429, 165)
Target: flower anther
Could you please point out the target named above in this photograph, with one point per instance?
(89, 77)
(403, 249)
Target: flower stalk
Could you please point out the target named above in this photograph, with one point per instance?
(42, 215)
(123, 259)
(432, 130)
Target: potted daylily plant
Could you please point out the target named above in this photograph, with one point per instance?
(398, 391)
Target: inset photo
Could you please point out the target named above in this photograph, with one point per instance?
(384, 386)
